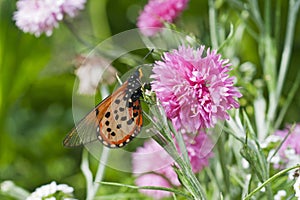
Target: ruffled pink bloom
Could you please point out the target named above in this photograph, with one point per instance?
(41, 16)
(194, 89)
(154, 159)
(156, 12)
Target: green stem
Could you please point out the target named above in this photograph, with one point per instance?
(278, 21)
(93, 185)
(270, 180)
(287, 49)
(100, 173)
(212, 24)
(148, 188)
(223, 158)
(165, 129)
(74, 32)
(254, 9)
(269, 66)
(291, 95)
(195, 187)
(87, 174)
(99, 19)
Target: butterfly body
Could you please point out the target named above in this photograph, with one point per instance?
(115, 121)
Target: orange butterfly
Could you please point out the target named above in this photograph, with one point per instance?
(115, 121)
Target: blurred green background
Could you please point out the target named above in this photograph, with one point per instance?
(36, 85)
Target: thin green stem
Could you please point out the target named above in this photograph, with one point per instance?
(223, 158)
(281, 143)
(214, 181)
(195, 187)
(291, 95)
(166, 129)
(87, 174)
(148, 188)
(267, 22)
(277, 21)
(100, 172)
(99, 18)
(287, 49)
(181, 145)
(93, 185)
(269, 65)
(254, 9)
(212, 24)
(271, 179)
(76, 35)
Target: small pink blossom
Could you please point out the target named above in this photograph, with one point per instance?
(153, 180)
(199, 150)
(156, 12)
(292, 140)
(71, 7)
(153, 158)
(41, 16)
(289, 152)
(194, 89)
(153, 165)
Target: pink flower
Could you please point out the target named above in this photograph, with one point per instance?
(289, 152)
(153, 180)
(71, 7)
(195, 90)
(154, 159)
(41, 16)
(199, 150)
(292, 141)
(156, 12)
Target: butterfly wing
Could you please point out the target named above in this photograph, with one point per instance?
(115, 122)
(85, 130)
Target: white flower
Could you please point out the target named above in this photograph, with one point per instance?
(65, 188)
(297, 188)
(92, 70)
(49, 191)
(280, 195)
(292, 159)
(269, 140)
(245, 163)
(275, 159)
(50, 198)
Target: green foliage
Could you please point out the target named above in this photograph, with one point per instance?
(37, 80)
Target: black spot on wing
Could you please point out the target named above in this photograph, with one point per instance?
(107, 114)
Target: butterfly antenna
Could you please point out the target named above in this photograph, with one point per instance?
(151, 51)
(118, 79)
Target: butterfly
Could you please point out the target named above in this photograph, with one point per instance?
(115, 121)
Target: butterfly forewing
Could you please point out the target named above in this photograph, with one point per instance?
(115, 121)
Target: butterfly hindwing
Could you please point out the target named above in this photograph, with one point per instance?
(84, 132)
